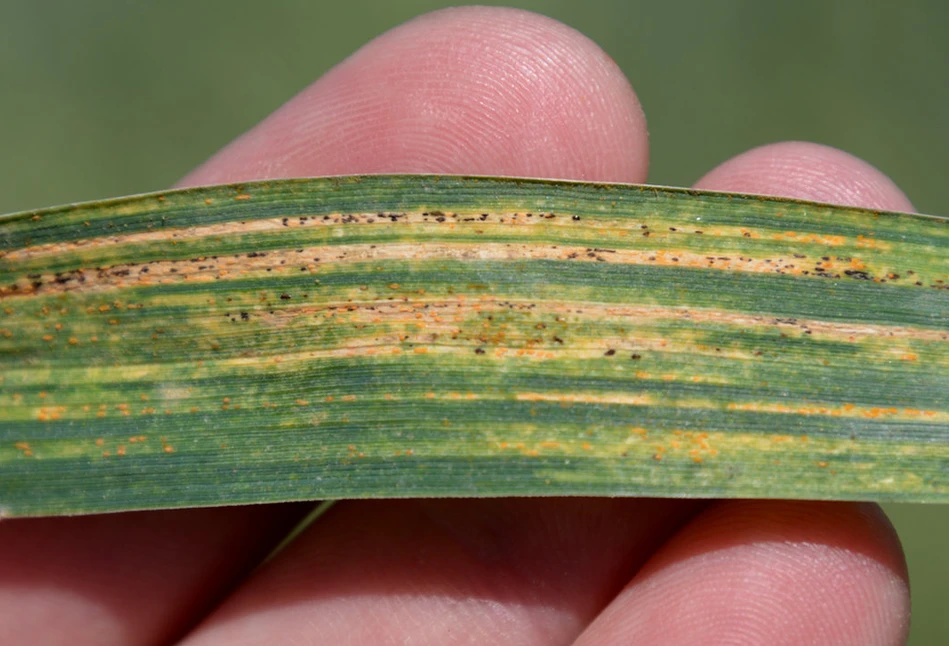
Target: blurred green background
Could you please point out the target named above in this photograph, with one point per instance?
(105, 98)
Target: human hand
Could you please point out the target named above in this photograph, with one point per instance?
(496, 92)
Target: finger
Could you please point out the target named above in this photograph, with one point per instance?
(515, 571)
(767, 572)
(126, 579)
(474, 91)
(479, 91)
(807, 171)
(775, 572)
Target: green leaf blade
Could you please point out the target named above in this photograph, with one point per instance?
(396, 336)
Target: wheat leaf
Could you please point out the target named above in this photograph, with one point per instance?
(394, 336)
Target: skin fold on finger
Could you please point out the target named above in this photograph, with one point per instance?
(473, 90)
(775, 572)
(126, 579)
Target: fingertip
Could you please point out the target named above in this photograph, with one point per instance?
(473, 90)
(768, 572)
(807, 171)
